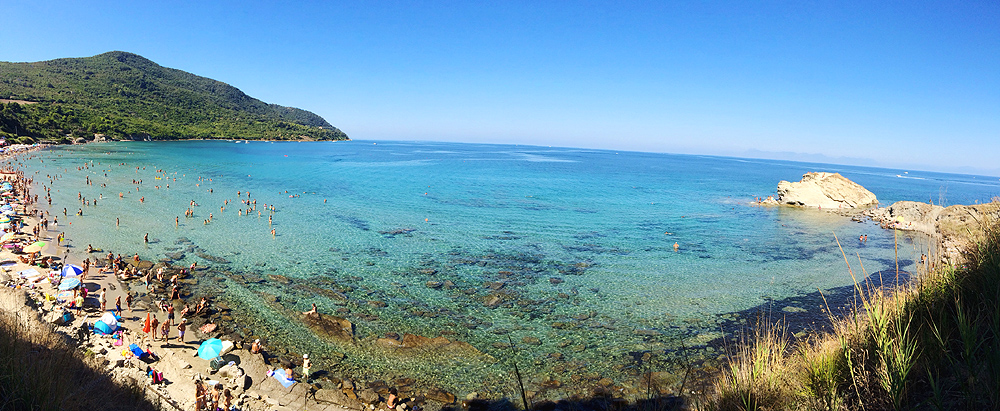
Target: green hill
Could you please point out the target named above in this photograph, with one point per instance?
(123, 95)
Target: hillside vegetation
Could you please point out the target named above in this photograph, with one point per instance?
(930, 344)
(124, 95)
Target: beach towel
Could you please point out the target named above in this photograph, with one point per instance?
(138, 352)
(279, 375)
(29, 273)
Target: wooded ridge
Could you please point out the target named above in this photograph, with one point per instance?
(126, 96)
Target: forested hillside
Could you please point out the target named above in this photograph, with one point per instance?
(124, 95)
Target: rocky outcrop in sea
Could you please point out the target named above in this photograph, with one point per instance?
(824, 190)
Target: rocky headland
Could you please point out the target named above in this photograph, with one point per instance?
(952, 227)
(823, 190)
(955, 227)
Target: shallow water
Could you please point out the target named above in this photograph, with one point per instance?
(568, 251)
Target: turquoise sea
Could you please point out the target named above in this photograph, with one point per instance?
(569, 252)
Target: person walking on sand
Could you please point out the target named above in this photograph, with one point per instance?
(118, 306)
(165, 330)
(154, 326)
(128, 301)
(103, 299)
(170, 314)
(181, 327)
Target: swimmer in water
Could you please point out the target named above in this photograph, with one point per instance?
(676, 247)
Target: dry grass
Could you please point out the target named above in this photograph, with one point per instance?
(932, 344)
(41, 370)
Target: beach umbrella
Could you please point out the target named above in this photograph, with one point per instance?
(7, 237)
(34, 247)
(69, 284)
(210, 349)
(4, 219)
(148, 325)
(7, 207)
(71, 270)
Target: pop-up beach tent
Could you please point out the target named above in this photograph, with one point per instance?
(107, 324)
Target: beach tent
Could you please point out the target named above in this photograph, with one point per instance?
(69, 284)
(210, 349)
(107, 324)
(70, 270)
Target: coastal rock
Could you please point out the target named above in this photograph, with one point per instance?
(368, 396)
(953, 224)
(437, 394)
(824, 190)
(339, 398)
(335, 328)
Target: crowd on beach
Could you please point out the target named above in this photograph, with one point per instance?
(152, 345)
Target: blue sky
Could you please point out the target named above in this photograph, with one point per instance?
(899, 84)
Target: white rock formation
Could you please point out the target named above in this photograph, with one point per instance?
(825, 190)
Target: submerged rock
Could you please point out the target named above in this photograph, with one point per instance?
(417, 344)
(335, 328)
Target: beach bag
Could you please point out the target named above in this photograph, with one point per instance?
(156, 376)
(216, 363)
(118, 343)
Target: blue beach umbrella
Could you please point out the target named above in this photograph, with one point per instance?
(69, 284)
(210, 349)
(7, 207)
(71, 270)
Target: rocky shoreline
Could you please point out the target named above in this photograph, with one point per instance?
(949, 227)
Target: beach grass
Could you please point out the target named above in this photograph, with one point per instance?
(41, 370)
(932, 343)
